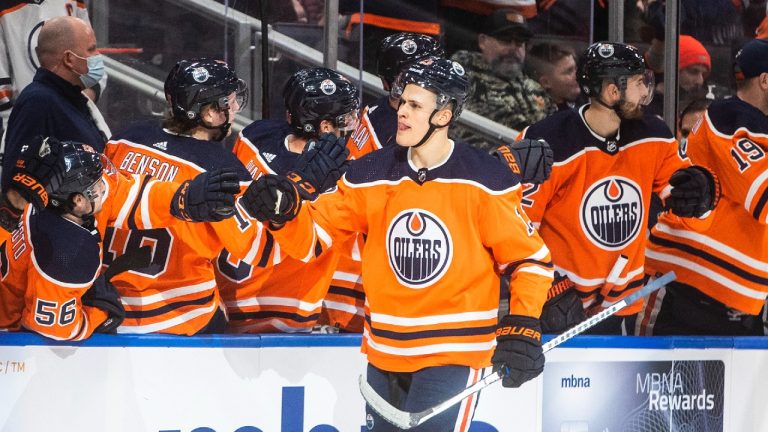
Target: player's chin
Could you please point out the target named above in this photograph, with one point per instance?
(633, 112)
(406, 138)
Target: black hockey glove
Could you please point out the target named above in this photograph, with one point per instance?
(531, 159)
(518, 349)
(103, 295)
(207, 197)
(272, 198)
(695, 191)
(132, 259)
(563, 308)
(320, 166)
(35, 166)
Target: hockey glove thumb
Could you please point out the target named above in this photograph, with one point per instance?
(695, 191)
(209, 197)
(320, 166)
(518, 350)
(531, 159)
(272, 198)
(103, 295)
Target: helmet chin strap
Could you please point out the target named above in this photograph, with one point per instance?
(431, 130)
(222, 128)
(615, 107)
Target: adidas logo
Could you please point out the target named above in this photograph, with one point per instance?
(269, 157)
(162, 145)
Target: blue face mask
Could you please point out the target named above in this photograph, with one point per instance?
(95, 72)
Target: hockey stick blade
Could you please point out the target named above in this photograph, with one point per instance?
(407, 420)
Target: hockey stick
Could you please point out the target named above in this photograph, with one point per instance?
(407, 420)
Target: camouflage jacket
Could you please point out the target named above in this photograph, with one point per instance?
(516, 101)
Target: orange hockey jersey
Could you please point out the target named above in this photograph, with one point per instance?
(436, 239)
(177, 293)
(48, 263)
(725, 255)
(594, 207)
(287, 296)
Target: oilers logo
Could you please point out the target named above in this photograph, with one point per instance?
(611, 213)
(419, 247)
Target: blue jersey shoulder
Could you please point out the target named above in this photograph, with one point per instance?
(728, 115)
(465, 163)
(64, 251)
(208, 155)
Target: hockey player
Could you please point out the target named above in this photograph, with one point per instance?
(720, 261)
(51, 281)
(288, 297)
(177, 292)
(442, 219)
(378, 121)
(609, 158)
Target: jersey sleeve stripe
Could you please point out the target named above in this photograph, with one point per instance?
(347, 292)
(537, 270)
(135, 206)
(276, 301)
(168, 294)
(707, 273)
(754, 189)
(714, 244)
(271, 315)
(162, 310)
(718, 262)
(146, 218)
(343, 307)
(132, 194)
(159, 326)
(760, 207)
(269, 244)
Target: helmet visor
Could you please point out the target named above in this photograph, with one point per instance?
(347, 123)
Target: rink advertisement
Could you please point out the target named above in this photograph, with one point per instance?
(309, 384)
(634, 396)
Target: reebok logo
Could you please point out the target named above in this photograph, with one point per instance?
(269, 157)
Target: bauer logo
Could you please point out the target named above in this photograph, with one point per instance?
(419, 247)
(612, 212)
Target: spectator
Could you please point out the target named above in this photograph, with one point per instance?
(431, 316)
(720, 261)
(554, 67)
(54, 285)
(502, 91)
(53, 104)
(694, 66)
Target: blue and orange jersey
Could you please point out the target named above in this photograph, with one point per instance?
(594, 207)
(288, 295)
(724, 255)
(436, 241)
(377, 129)
(48, 263)
(177, 293)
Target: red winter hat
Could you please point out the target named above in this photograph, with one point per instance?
(692, 52)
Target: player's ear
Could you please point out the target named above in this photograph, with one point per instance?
(327, 126)
(443, 117)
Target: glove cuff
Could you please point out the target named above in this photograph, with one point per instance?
(519, 327)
